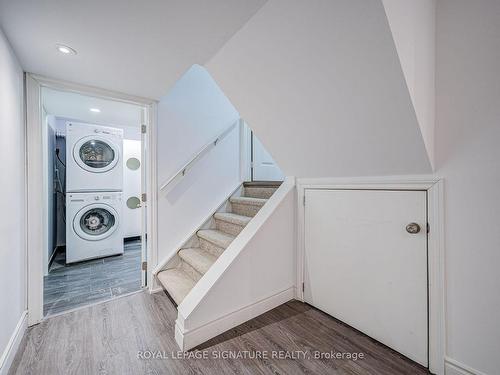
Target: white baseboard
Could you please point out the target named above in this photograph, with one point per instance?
(453, 367)
(155, 290)
(194, 337)
(13, 345)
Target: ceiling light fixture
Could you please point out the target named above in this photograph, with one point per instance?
(66, 50)
(95, 110)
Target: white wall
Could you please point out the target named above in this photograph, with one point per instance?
(12, 251)
(321, 85)
(193, 113)
(413, 29)
(468, 157)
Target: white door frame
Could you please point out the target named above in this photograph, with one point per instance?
(36, 222)
(245, 151)
(435, 244)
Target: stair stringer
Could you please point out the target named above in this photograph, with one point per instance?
(253, 275)
(173, 259)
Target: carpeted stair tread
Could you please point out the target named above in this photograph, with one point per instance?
(232, 218)
(197, 258)
(216, 237)
(177, 283)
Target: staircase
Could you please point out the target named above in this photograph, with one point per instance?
(211, 243)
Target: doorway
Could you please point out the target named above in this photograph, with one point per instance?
(92, 151)
(366, 263)
(309, 193)
(92, 221)
(264, 168)
(257, 164)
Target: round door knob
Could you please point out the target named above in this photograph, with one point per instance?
(413, 228)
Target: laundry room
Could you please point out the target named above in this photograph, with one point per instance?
(93, 180)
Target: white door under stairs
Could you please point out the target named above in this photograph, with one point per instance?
(366, 263)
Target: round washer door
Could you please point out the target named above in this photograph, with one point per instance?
(95, 222)
(96, 154)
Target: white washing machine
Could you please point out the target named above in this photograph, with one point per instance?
(93, 227)
(93, 158)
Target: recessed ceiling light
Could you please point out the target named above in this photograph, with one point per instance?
(96, 110)
(66, 50)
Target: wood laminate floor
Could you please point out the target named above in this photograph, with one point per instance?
(116, 337)
(67, 287)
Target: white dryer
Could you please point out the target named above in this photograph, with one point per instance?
(93, 158)
(93, 228)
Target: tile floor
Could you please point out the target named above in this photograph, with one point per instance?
(70, 286)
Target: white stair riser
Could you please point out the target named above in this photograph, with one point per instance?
(229, 228)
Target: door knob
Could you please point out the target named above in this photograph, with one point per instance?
(413, 228)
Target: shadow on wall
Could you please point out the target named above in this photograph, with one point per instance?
(340, 105)
(192, 114)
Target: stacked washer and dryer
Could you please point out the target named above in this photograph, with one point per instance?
(94, 184)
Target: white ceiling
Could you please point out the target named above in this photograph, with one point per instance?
(133, 46)
(77, 107)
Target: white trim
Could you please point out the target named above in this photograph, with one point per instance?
(453, 367)
(435, 209)
(152, 193)
(187, 339)
(436, 277)
(45, 187)
(36, 220)
(96, 92)
(245, 152)
(12, 347)
(155, 290)
(371, 183)
(26, 211)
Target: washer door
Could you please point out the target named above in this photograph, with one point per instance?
(96, 154)
(95, 222)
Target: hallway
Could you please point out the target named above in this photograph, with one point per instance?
(110, 338)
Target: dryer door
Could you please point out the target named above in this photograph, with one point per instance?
(95, 222)
(96, 154)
